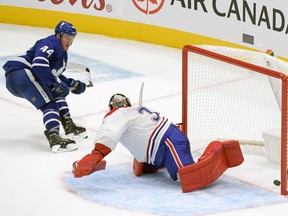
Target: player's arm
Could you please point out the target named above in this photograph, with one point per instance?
(107, 137)
(90, 162)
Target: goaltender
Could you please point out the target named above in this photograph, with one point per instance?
(155, 142)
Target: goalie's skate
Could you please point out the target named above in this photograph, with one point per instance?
(59, 144)
(73, 131)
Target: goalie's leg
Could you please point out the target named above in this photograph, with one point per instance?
(217, 157)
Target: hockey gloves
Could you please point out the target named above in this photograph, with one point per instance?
(59, 89)
(86, 165)
(91, 162)
(76, 86)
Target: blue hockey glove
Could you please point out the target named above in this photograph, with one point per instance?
(76, 86)
(59, 89)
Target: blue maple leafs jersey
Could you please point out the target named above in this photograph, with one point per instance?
(46, 59)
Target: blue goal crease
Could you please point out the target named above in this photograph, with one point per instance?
(100, 71)
(158, 194)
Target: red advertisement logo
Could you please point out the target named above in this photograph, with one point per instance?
(148, 6)
(86, 4)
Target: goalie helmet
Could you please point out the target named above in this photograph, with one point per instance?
(65, 28)
(118, 100)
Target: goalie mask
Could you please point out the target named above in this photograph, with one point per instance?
(118, 100)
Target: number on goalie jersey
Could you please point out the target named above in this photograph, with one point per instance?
(37, 76)
(153, 140)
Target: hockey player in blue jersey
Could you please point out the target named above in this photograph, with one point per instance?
(37, 77)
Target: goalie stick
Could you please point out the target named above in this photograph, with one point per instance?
(245, 141)
(141, 94)
(274, 82)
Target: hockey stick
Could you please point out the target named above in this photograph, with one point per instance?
(90, 84)
(141, 94)
(245, 141)
(81, 72)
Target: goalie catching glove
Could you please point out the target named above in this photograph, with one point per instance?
(76, 86)
(91, 162)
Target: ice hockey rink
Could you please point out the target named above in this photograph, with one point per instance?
(34, 181)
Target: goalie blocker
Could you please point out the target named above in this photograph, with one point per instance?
(216, 159)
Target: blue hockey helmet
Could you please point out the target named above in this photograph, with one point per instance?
(65, 28)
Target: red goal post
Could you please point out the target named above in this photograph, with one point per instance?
(227, 93)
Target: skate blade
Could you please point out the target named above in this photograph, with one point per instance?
(69, 148)
(78, 136)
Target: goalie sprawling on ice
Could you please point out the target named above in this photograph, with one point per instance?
(155, 142)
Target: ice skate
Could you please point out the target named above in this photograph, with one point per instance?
(72, 130)
(59, 144)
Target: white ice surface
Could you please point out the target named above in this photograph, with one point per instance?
(30, 179)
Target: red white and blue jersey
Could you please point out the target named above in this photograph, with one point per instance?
(139, 129)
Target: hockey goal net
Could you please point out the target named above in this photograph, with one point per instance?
(236, 94)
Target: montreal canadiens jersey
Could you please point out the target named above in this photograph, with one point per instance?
(45, 59)
(139, 129)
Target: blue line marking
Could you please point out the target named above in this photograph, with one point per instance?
(158, 194)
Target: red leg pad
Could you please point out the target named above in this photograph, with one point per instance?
(141, 167)
(233, 153)
(138, 167)
(210, 166)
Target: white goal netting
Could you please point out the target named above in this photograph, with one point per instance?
(235, 94)
(226, 101)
